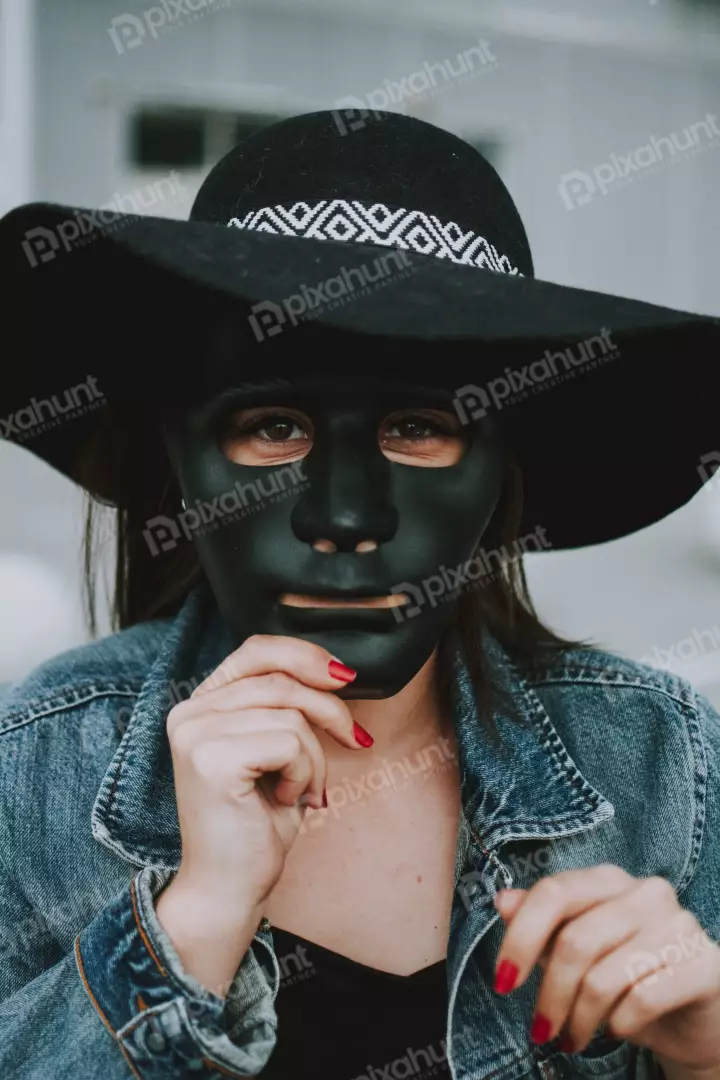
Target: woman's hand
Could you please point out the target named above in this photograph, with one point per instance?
(617, 951)
(246, 762)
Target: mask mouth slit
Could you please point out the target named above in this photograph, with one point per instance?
(303, 600)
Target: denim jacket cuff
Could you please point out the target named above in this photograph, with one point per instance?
(166, 1022)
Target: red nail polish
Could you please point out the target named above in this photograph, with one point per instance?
(566, 1044)
(324, 798)
(361, 735)
(506, 976)
(540, 1030)
(341, 671)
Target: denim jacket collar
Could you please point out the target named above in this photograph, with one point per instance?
(527, 785)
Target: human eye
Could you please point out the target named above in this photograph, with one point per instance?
(431, 437)
(266, 435)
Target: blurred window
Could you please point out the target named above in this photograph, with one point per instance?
(185, 138)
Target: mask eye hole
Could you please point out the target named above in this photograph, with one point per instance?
(430, 438)
(267, 435)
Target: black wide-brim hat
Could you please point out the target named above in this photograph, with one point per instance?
(363, 242)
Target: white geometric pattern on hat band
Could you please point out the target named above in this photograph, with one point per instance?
(413, 230)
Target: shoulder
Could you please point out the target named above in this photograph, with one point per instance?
(650, 741)
(116, 665)
(595, 672)
(601, 695)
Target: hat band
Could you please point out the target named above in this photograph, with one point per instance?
(376, 223)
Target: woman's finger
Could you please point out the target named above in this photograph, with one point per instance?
(254, 721)
(262, 654)
(582, 947)
(646, 978)
(278, 690)
(544, 908)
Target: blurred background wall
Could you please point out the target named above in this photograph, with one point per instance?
(125, 103)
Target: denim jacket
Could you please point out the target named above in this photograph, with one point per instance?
(602, 760)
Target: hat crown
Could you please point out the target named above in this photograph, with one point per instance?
(389, 179)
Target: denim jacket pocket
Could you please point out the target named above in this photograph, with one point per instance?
(603, 1057)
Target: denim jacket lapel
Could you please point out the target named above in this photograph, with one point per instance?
(135, 811)
(525, 788)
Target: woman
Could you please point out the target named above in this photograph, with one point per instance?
(353, 810)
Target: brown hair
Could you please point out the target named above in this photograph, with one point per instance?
(146, 587)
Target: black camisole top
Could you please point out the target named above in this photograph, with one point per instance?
(342, 1020)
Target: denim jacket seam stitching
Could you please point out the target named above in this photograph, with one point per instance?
(525, 823)
(56, 706)
(144, 936)
(700, 777)
(565, 770)
(172, 980)
(145, 691)
(110, 802)
(620, 682)
(614, 668)
(524, 1059)
(96, 1005)
(173, 983)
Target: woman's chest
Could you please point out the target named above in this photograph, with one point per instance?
(379, 892)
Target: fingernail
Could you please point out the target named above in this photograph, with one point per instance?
(324, 799)
(361, 735)
(506, 976)
(338, 670)
(566, 1044)
(540, 1030)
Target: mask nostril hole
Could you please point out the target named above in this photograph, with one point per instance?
(324, 545)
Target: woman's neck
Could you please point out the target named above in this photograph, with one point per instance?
(401, 725)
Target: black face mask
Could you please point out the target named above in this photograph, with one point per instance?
(357, 484)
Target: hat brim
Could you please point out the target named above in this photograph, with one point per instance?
(607, 445)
